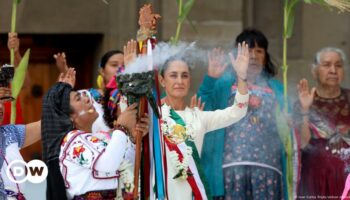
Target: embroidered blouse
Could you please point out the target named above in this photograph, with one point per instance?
(12, 139)
(90, 161)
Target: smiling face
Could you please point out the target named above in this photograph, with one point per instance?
(330, 70)
(83, 111)
(114, 65)
(176, 79)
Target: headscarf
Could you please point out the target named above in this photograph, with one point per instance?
(55, 124)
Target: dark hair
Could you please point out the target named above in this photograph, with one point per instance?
(106, 57)
(165, 66)
(255, 37)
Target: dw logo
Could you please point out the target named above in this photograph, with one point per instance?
(19, 171)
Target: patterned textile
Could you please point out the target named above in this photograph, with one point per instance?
(97, 195)
(330, 129)
(250, 182)
(94, 161)
(96, 95)
(9, 134)
(84, 151)
(254, 143)
(215, 93)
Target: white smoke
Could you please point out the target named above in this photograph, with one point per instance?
(162, 52)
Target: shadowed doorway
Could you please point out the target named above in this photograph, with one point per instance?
(80, 50)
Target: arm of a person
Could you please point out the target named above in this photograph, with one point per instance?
(118, 149)
(14, 43)
(33, 133)
(17, 59)
(206, 92)
(218, 119)
(213, 91)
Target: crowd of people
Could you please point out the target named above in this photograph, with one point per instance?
(232, 141)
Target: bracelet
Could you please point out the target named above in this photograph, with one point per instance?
(126, 131)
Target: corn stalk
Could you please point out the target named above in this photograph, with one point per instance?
(183, 11)
(21, 69)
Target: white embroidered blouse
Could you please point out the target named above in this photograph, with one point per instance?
(90, 161)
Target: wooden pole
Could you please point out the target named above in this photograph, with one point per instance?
(142, 110)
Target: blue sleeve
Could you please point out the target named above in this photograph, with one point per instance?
(216, 92)
(13, 134)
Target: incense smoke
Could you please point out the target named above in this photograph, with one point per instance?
(162, 52)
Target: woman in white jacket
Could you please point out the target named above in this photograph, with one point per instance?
(183, 127)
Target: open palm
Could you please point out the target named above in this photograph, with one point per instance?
(306, 96)
(216, 63)
(241, 62)
(130, 51)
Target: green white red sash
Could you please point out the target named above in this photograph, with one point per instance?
(196, 178)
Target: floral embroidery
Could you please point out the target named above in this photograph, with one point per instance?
(94, 139)
(65, 139)
(255, 101)
(240, 104)
(78, 154)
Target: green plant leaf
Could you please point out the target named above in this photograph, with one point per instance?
(20, 72)
(308, 1)
(17, 1)
(290, 9)
(290, 26)
(192, 25)
(186, 10)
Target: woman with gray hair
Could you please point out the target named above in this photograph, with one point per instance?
(323, 121)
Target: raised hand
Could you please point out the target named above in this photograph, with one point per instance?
(130, 50)
(128, 117)
(241, 62)
(13, 42)
(306, 96)
(197, 103)
(68, 77)
(216, 63)
(61, 62)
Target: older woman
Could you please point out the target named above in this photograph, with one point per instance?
(184, 128)
(12, 138)
(82, 164)
(324, 125)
